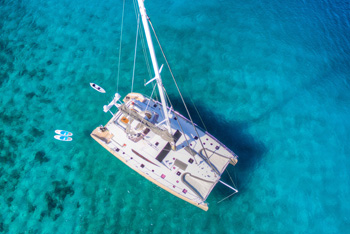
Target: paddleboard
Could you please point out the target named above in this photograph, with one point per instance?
(63, 133)
(97, 87)
(63, 138)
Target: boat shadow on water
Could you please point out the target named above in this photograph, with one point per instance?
(235, 136)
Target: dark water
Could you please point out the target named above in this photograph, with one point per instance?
(270, 79)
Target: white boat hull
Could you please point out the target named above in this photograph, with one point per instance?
(189, 177)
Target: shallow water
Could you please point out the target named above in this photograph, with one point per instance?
(270, 79)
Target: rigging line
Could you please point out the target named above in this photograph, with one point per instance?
(226, 198)
(200, 117)
(156, 95)
(178, 89)
(166, 60)
(177, 117)
(120, 44)
(149, 100)
(178, 122)
(145, 54)
(231, 178)
(137, 12)
(137, 36)
(136, 9)
(147, 62)
(234, 170)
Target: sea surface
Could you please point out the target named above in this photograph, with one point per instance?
(270, 79)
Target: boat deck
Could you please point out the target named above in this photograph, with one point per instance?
(185, 172)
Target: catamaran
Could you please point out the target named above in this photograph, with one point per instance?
(162, 145)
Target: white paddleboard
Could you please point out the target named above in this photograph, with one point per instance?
(97, 87)
(63, 133)
(63, 138)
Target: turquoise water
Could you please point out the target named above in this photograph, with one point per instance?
(271, 80)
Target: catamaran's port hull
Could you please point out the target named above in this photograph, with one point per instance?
(202, 206)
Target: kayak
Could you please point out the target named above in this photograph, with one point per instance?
(97, 87)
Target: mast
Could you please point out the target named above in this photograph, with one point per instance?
(154, 63)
